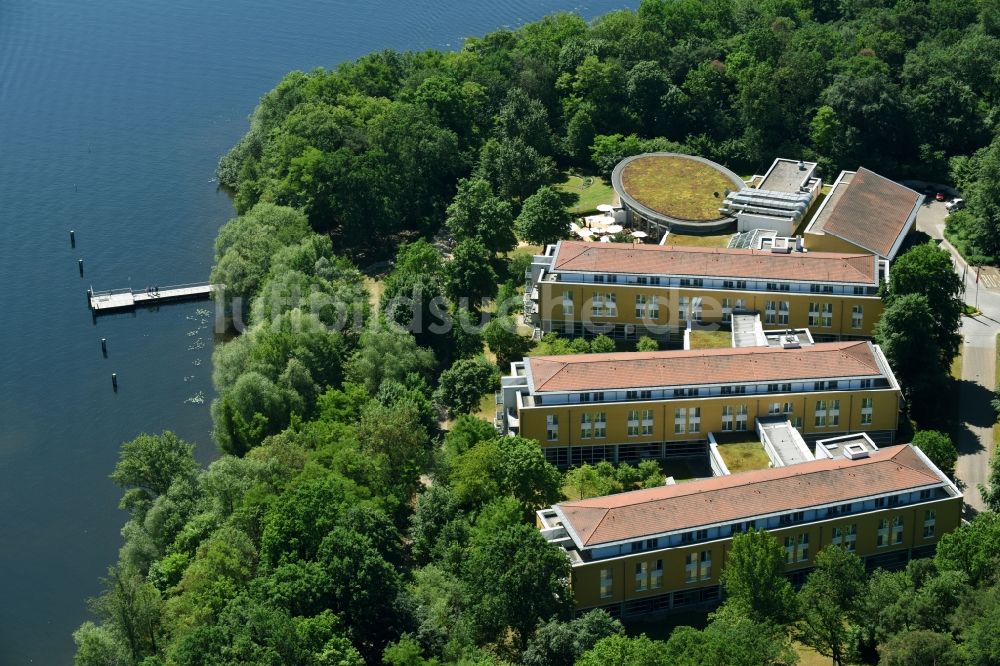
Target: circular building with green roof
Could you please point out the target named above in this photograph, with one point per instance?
(670, 191)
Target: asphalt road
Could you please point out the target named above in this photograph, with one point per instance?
(975, 437)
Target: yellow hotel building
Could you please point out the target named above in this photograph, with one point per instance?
(637, 405)
(625, 290)
(664, 548)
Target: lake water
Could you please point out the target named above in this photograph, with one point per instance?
(113, 114)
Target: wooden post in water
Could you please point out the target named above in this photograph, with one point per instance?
(72, 238)
(79, 263)
(114, 381)
(104, 347)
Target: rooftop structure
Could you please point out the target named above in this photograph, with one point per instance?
(781, 200)
(854, 445)
(817, 484)
(866, 211)
(703, 367)
(778, 263)
(668, 191)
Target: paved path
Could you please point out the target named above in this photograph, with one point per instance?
(975, 437)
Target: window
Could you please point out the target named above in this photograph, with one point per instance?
(647, 307)
(866, 410)
(820, 414)
(680, 421)
(826, 310)
(797, 548)
(741, 417)
(814, 314)
(930, 519)
(552, 427)
(865, 383)
(734, 284)
(682, 308)
(692, 282)
(897, 530)
(925, 495)
(705, 565)
(606, 583)
(701, 535)
(694, 419)
(786, 388)
(803, 547)
(599, 396)
(647, 422)
(631, 395)
(633, 423)
(772, 388)
(600, 425)
(604, 305)
(770, 312)
(859, 291)
(599, 279)
(645, 395)
(846, 536)
(586, 426)
(567, 303)
(882, 539)
(727, 418)
(833, 413)
(857, 316)
(787, 408)
(783, 312)
(656, 575)
(741, 303)
(879, 502)
(726, 390)
(641, 576)
(691, 567)
(774, 408)
(696, 308)
(727, 309)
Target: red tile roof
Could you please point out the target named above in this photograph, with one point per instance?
(715, 262)
(872, 212)
(624, 370)
(739, 497)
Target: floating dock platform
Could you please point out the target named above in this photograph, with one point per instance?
(125, 299)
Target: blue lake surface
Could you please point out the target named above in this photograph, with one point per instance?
(113, 114)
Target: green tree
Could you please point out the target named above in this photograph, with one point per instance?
(905, 333)
(828, 602)
(927, 269)
(148, 465)
(939, 448)
(514, 169)
(647, 344)
(462, 386)
(245, 245)
(919, 648)
(513, 579)
(476, 213)
(254, 408)
(469, 277)
(385, 355)
(502, 338)
(133, 609)
(544, 217)
(98, 646)
(755, 580)
(991, 491)
(621, 650)
(558, 643)
(973, 549)
(602, 344)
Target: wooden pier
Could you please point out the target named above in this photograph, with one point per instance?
(124, 299)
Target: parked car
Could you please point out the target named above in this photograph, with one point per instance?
(939, 196)
(954, 204)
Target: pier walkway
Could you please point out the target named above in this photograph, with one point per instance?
(123, 299)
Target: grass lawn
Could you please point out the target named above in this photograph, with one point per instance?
(678, 187)
(808, 656)
(592, 191)
(744, 456)
(375, 288)
(708, 240)
(711, 340)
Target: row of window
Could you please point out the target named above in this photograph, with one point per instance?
(691, 392)
(648, 308)
(639, 422)
(657, 281)
(698, 565)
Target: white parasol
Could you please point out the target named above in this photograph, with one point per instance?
(606, 208)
